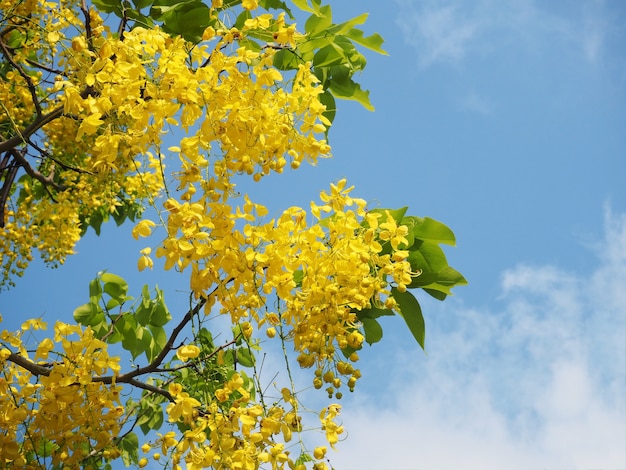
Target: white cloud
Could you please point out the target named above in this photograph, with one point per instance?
(442, 34)
(444, 31)
(538, 382)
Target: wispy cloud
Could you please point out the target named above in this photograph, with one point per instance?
(440, 33)
(448, 32)
(476, 103)
(539, 381)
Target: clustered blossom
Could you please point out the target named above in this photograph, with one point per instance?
(301, 277)
(64, 410)
(118, 97)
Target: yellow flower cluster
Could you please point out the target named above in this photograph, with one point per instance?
(57, 414)
(235, 432)
(114, 101)
(116, 98)
(323, 273)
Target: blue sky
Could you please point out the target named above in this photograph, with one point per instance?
(505, 120)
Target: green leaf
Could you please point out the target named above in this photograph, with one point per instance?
(307, 48)
(435, 293)
(89, 314)
(15, 39)
(348, 89)
(427, 257)
(153, 419)
(373, 42)
(328, 100)
(276, 5)
(144, 343)
(304, 5)
(95, 290)
(129, 445)
(319, 22)
(161, 314)
(298, 276)
(345, 27)
(329, 55)
(373, 313)
(205, 338)
(116, 284)
(139, 4)
(411, 311)
(245, 357)
(143, 314)
(95, 221)
(45, 448)
(140, 20)
(373, 330)
(126, 327)
(109, 6)
(190, 22)
(446, 279)
(303, 458)
(285, 59)
(159, 338)
(229, 357)
(242, 18)
(145, 296)
(427, 229)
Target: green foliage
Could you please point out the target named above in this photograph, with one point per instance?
(129, 445)
(433, 275)
(330, 49)
(139, 329)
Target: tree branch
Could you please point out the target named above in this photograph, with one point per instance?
(22, 137)
(46, 180)
(129, 377)
(35, 369)
(11, 170)
(24, 75)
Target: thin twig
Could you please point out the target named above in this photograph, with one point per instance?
(65, 166)
(46, 180)
(23, 136)
(29, 83)
(34, 63)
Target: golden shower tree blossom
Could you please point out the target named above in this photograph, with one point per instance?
(167, 113)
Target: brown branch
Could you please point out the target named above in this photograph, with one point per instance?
(29, 83)
(21, 137)
(45, 67)
(88, 31)
(9, 177)
(35, 369)
(156, 362)
(65, 166)
(129, 377)
(46, 180)
(150, 388)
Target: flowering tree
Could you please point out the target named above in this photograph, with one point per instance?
(153, 111)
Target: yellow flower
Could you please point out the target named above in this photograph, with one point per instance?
(145, 261)
(89, 125)
(143, 229)
(44, 348)
(183, 406)
(34, 324)
(188, 351)
(250, 4)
